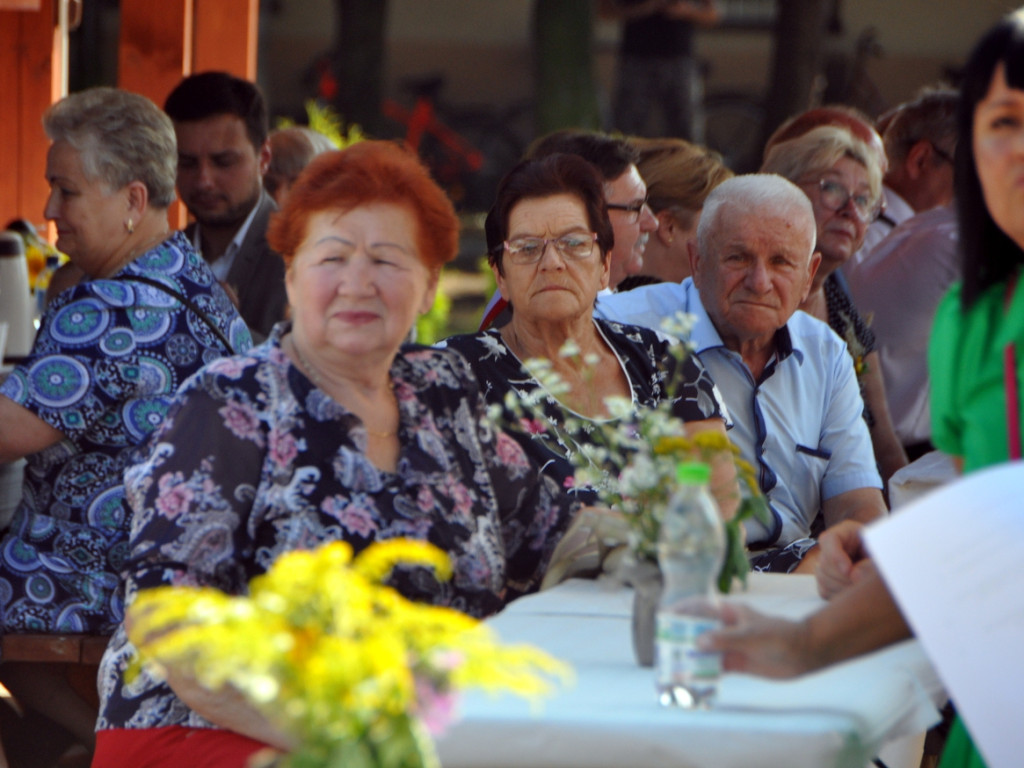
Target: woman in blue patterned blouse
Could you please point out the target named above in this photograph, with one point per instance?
(109, 355)
(329, 430)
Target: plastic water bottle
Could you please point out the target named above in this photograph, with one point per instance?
(691, 548)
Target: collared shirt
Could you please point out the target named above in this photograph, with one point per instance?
(922, 252)
(799, 424)
(221, 266)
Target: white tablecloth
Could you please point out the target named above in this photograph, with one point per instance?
(609, 716)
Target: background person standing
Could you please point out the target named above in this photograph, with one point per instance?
(657, 66)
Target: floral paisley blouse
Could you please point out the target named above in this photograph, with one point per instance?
(255, 460)
(846, 321)
(103, 370)
(644, 356)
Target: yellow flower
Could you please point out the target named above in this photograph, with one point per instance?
(672, 444)
(376, 562)
(340, 653)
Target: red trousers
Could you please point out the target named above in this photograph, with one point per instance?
(173, 747)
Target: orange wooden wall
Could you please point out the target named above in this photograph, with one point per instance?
(160, 43)
(29, 83)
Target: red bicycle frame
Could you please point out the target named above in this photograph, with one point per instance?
(422, 120)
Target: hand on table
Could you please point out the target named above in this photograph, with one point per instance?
(842, 559)
(757, 644)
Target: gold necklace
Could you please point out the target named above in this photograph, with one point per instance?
(314, 376)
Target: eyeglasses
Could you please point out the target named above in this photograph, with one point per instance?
(633, 209)
(835, 196)
(529, 250)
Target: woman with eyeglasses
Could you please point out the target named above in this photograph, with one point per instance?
(549, 241)
(842, 176)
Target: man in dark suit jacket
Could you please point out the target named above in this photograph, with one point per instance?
(221, 125)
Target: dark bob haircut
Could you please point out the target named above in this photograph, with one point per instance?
(365, 173)
(549, 176)
(989, 255)
(611, 156)
(209, 94)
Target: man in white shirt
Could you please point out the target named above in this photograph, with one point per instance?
(899, 286)
(221, 125)
(786, 378)
(920, 139)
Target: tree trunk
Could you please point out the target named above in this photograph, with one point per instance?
(565, 88)
(360, 35)
(799, 34)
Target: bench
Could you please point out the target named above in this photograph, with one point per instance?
(70, 649)
(81, 654)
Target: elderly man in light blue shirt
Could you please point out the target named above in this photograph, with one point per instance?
(786, 377)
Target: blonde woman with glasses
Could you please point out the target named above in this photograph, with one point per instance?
(842, 176)
(679, 177)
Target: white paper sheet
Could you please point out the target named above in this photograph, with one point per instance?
(953, 561)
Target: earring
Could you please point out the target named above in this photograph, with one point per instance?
(131, 226)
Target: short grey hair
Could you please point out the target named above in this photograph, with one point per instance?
(754, 192)
(121, 136)
(819, 150)
(930, 117)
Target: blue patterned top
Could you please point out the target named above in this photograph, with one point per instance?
(256, 461)
(105, 363)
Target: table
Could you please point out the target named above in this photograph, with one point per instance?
(609, 717)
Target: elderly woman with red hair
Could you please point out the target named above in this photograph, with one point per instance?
(331, 429)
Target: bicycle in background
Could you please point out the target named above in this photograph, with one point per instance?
(468, 149)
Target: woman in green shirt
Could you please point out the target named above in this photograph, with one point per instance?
(979, 327)
(976, 356)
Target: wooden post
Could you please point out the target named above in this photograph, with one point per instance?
(155, 52)
(160, 43)
(30, 68)
(163, 42)
(156, 46)
(226, 34)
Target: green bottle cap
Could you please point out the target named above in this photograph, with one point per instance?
(693, 473)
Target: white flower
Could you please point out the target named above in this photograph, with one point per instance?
(619, 407)
(679, 325)
(569, 349)
(542, 370)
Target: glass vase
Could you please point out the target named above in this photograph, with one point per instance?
(645, 578)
